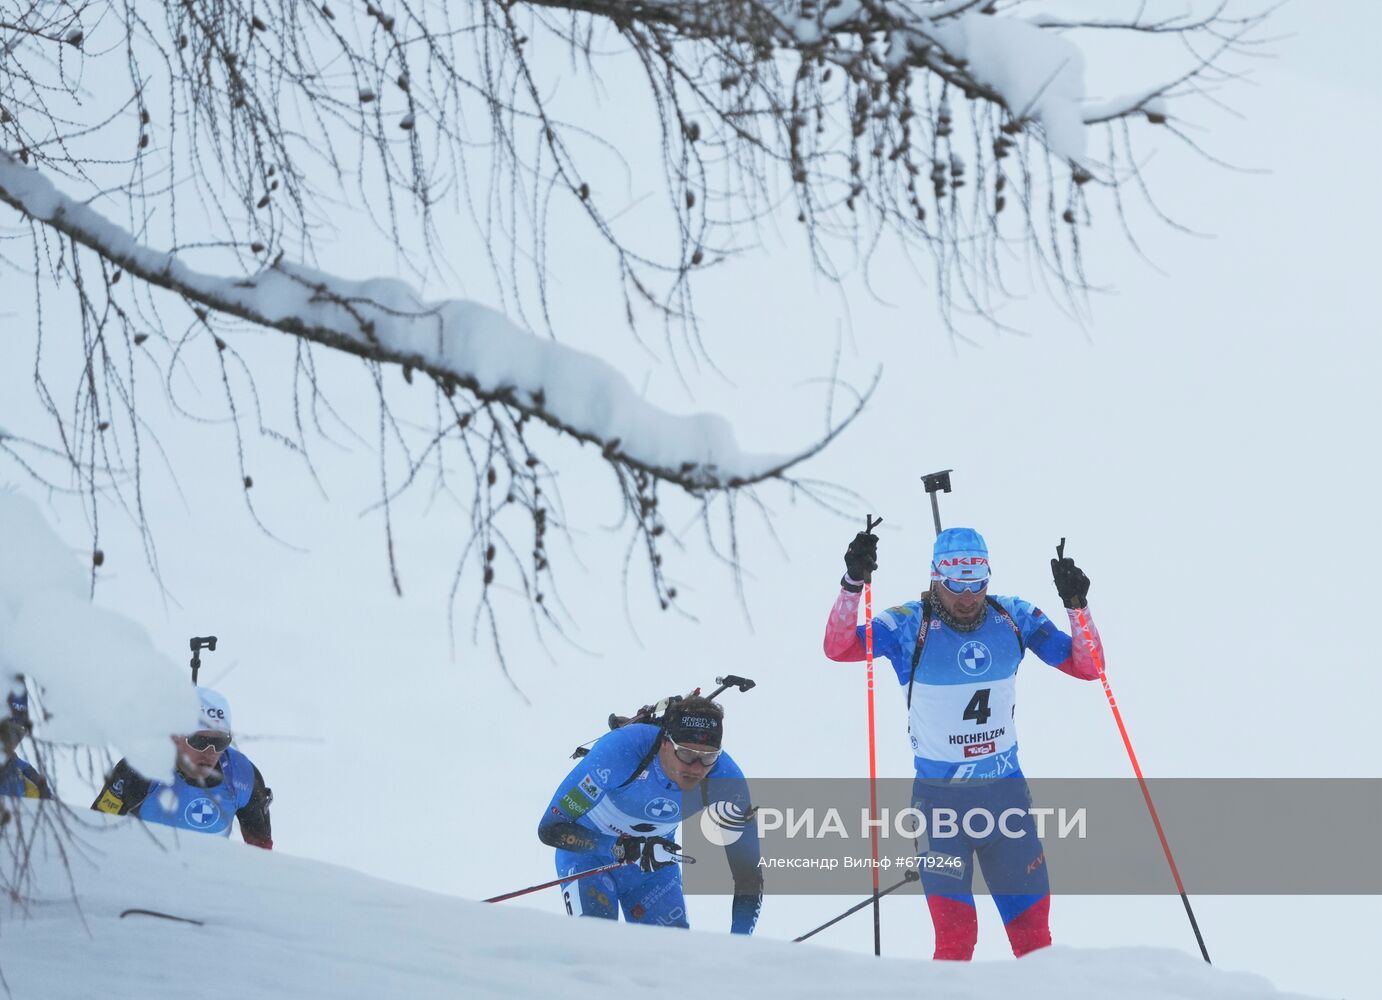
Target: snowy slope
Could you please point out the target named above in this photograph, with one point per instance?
(279, 926)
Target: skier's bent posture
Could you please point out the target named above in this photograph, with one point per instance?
(956, 653)
(213, 784)
(17, 776)
(624, 802)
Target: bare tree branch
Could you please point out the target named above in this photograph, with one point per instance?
(238, 132)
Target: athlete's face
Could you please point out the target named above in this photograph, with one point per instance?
(965, 607)
(686, 776)
(198, 764)
(11, 735)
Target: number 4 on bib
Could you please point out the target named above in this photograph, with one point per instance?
(978, 707)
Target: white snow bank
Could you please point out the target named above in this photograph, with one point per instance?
(102, 679)
(278, 926)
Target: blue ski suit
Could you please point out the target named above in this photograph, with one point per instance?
(236, 792)
(19, 779)
(960, 688)
(606, 795)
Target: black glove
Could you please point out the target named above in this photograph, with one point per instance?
(1071, 583)
(861, 559)
(642, 851)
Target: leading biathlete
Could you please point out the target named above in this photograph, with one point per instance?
(956, 652)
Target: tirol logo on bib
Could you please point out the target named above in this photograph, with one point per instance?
(974, 658)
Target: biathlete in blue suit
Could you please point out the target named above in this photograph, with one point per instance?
(624, 802)
(18, 778)
(956, 653)
(213, 784)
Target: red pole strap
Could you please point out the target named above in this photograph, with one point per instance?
(873, 766)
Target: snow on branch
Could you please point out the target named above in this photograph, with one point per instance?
(456, 342)
(1022, 65)
(958, 128)
(920, 118)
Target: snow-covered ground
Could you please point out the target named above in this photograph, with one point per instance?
(286, 927)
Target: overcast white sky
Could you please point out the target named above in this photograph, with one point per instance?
(1205, 442)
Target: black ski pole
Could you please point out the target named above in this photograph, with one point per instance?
(911, 876)
(198, 643)
(679, 858)
(936, 482)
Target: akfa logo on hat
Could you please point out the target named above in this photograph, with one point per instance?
(960, 553)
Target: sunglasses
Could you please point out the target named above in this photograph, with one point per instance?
(200, 742)
(688, 756)
(964, 586)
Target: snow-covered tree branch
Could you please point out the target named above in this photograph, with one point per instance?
(456, 344)
(204, 150)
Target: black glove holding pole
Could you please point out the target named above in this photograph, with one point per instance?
(1071, 583)
(642, 851)
(861, 558)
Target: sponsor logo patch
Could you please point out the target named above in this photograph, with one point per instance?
(974, 658)
(662, 808)
(201, 813)
(575, 803)
(980, 749)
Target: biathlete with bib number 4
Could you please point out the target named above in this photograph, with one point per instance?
(956, 653)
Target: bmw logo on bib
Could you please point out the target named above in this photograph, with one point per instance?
(975, 658)
(201, 813)
(661, 808)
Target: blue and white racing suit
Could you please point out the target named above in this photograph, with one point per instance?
(606, 796)
(962, 721)
(236, 791)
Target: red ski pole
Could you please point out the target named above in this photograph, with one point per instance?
(556, 881)
(870, 524)
(1086, 634)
